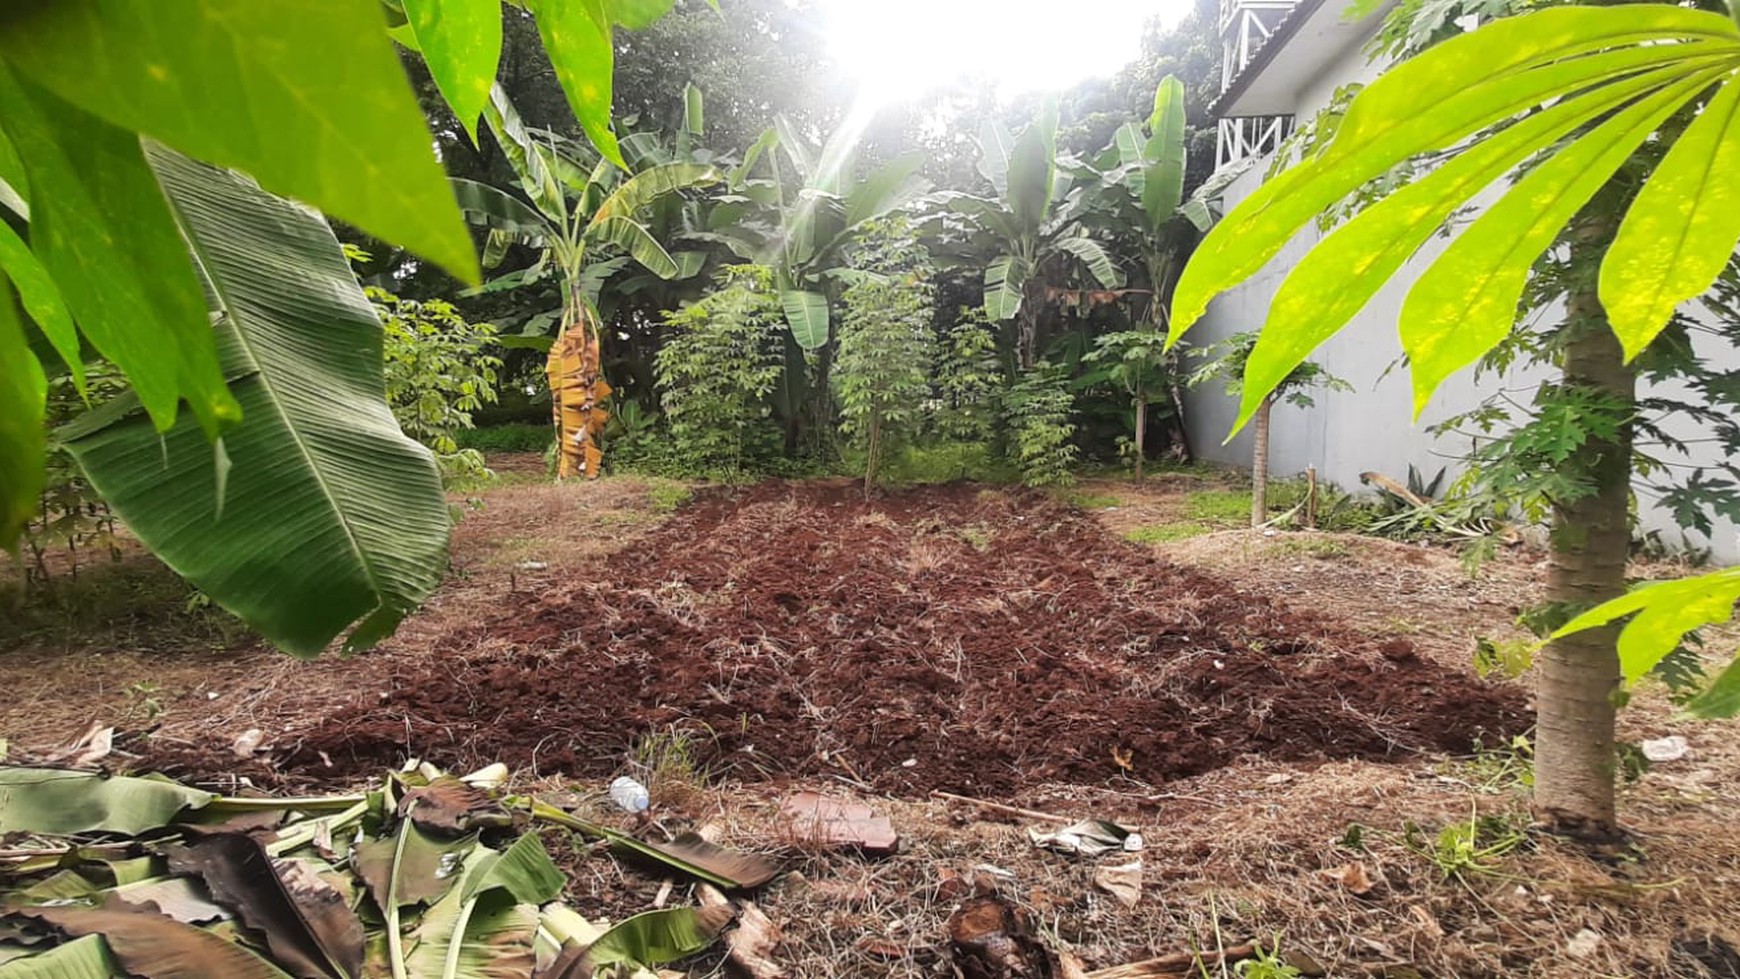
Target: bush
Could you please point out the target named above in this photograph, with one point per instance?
(884, 341)
(505, 438)
(715, 373)
(968, 379)
(437, 373)
(1038, 410)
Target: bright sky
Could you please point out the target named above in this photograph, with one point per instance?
(900, 48)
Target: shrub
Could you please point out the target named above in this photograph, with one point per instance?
(884, 340)
(437, 373)
(716, 370)
(1038, 410)
(524, 437)
(968, 379)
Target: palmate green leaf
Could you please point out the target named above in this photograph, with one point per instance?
(332, 514)
(461, 44)
(81, 958)
(1663, 613)
(1466, 302)
(633, 237)
(102, 230)
(576, 36)
(1163, 179)
(1093, 256)
(42, 300)
(806, 312)
(59, 802)
(649, 185)
(306, 95)
(1432, 101)
(22, 390)
(1335, 279)
(1005, 281)
(1681, 229)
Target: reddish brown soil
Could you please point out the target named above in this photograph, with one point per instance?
(947, 638)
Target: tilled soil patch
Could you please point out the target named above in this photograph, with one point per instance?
(954, 638)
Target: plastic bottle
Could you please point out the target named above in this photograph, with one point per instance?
(629, 795)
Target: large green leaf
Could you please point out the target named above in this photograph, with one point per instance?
(81, 958)
(461, 44)
(1005, 280)
(529, 159)
(795, 148)
(577, 37)
(1093, 256)
(636, 15)
(1681, 229)
(1431, 102)
(1722, 697)
(1334, 280)
(484, 927)
(1466, 302)
(1662, 614)
(632, 237)
(1163, 178)
(58, 802)
(649, 185)
(41, 298)
(102, 230)
(331, 514)
(1031, 166)
(22, 390)
(806, 312)
(493, 208)
(889, 187)
(305, 95)
(656, 937)
(996, 144)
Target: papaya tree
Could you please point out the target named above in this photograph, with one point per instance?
(1618, 133)
(1024, 226)
(581, 214)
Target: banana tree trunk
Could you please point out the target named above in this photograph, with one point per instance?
(1578, 675)
(1260, 465)
(577, 393)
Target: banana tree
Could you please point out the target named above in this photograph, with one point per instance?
(586, 221)
(1028, 229)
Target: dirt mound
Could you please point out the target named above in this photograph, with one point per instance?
(956, 638)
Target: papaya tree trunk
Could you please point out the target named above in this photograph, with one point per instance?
(1578, 676)
(1260, 465)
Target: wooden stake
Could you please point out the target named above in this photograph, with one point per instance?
(999, 807)
(1311, 497)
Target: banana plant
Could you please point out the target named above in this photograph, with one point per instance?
(585, 218)
(1027, 227)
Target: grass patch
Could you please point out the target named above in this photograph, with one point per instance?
(1161, 533)
(1218, 506)
(666, 497)
(136, 603)
(523, 437)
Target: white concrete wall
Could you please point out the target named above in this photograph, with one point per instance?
(1347, 433)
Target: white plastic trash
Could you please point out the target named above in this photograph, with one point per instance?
(629, 795)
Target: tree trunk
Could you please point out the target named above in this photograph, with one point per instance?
(1141, 431)
(872, 456)
(1260, 465)
(1578, 676)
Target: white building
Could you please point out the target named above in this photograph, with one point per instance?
(1284, 61)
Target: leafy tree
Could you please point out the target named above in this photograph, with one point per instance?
(580, 213)
(1137, 362)
(969, 378)
(718, 368)
(885, 340)
(1025, 227)
(1037, 408)
(1621, 120)
(437, 373)
(1228, 362)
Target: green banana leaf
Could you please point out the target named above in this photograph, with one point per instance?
(807, 314)
(59, 802)
(82, 958)
(315, 511)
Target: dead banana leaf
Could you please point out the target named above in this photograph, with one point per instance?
(752, 943)
(451, 806)
(577, 393)
(688, 853)
(152, 946)
(306, 924)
